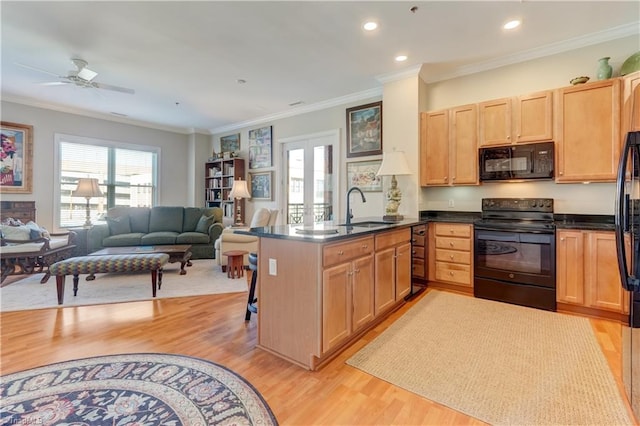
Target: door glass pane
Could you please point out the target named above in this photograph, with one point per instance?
(295, 185)
(322, 183)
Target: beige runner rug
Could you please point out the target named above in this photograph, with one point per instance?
(500, 363)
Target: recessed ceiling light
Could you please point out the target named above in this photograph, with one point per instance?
(370, 26)
(512, 24)
(241, 81)
(401, 58)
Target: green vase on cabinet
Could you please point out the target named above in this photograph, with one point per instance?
(604, 69)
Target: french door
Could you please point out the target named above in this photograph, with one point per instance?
(311, 182)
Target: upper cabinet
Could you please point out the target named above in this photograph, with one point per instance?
(449, 147)
(588, 132)
(520, 119)
(631, 103)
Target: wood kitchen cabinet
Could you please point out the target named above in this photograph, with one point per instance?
(587, 271)
(520, 119)
(588, 132)
(392, 268)
(449, 147)
(630, 103)
(450, 254)
(347, 290)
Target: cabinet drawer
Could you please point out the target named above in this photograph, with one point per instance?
(418, 269)
(417, 252)
(459, 274)
(453, 243)
(452, 256)
(453, 230)
(418, 240)
(420, 230)
(341, 252)
(392, 238)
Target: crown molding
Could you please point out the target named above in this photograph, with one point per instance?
(548, 50)
(400, 75)
(99, 115)
(354, 97)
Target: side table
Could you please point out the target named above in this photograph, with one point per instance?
(235, 268)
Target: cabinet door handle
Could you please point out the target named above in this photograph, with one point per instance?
(561, 238)
(357, 271)
(451, 273)
(421, 232)
(413, 252)
(340, 253)
(451, 243)
(451, 256)
(365, 246)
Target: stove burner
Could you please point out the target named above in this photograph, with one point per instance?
(494, 248)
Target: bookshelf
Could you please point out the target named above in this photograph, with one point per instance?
(219, 177)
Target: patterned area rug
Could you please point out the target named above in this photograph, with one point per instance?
(500, 363)
(132, 389)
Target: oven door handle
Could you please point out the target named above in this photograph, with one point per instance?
(516, 229)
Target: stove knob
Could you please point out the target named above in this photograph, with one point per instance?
(548, 203)
(533, 203)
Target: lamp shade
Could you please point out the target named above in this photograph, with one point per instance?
(394, 163)
(239, 189)
(87, 188)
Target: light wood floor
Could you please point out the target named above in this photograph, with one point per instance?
(213, 328)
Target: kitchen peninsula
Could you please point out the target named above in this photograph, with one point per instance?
(320, 287)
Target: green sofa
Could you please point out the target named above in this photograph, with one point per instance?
(160, 225)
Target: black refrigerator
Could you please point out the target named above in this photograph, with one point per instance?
(627, 221)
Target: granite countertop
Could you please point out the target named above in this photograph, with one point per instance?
(562, 221)
(328, 231)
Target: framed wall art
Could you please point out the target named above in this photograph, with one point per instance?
(261, 188)
(363, 175)
(260, 148)
(364, 130)
(230, 143)
(16, 158)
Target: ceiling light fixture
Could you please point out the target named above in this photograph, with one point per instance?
(241, 81)
(370, 26)
(512, 24)
(401, 58)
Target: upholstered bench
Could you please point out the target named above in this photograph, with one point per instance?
(103, 264)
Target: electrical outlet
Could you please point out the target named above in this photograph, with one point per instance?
(451, 203)
(273, 267)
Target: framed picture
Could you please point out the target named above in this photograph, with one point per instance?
(230, 143)
(16, 158)
(364, 130)
(261, 186)
(363, 175)
(260, 148)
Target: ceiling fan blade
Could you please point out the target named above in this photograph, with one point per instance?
(54, 83)
(114, 88)
(38, 69)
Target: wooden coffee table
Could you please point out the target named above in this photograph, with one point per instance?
(177, 253)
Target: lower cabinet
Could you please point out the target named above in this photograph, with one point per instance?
(392, 268)
(450, 253)
(347, 299)
(587, 272)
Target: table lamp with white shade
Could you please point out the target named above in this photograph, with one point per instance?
(239, 191)
(87, 188)
(393, 163)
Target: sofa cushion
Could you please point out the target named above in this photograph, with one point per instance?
(118, 225)
(191, 217)
(21, 233)
(204, 223)
(133, 239)
(159, 238)
(192, 238)
(138, 217)
(164, 218)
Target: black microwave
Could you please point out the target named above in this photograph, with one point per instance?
(527, 161)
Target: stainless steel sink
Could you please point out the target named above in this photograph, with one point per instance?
(367, 224)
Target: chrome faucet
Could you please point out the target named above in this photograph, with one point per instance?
(349, 214)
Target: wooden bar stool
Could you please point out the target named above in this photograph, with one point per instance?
(251, 301)
(235, 267)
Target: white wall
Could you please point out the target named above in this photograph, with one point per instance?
(540, 74)
(173, 181)
(308, 124)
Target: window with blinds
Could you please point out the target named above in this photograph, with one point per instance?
(127, 176)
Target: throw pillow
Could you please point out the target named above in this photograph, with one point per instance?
(118, 225)
(204, 223)
(19, 233)
(36, 231)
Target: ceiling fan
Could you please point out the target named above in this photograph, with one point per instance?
(81, 76)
